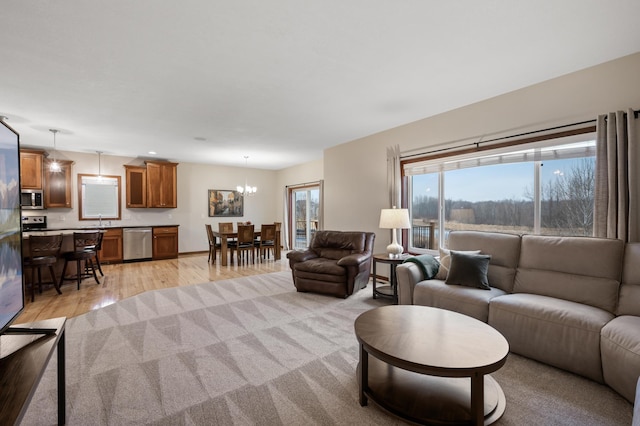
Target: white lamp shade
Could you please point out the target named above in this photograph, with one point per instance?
(394, 219)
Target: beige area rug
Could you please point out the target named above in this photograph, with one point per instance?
(253, 351)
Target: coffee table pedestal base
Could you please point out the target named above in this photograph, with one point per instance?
(424, 399)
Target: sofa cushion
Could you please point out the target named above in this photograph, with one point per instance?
(445, 262)
(629, 301)
(322, 266)
(503, 248)
(558, 332)
(465, 300)
(620, 346)
(469, 270)
(579, 269)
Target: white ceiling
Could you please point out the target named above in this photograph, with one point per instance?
(212, 81)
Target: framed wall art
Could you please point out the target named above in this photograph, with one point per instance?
(225, 203)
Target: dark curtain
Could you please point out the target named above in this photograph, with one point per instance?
(617, 186)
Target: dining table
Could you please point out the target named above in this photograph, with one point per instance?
(224, 243)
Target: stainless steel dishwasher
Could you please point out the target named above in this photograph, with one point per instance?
(137, 243)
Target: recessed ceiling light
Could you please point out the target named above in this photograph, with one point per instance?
(152, 153)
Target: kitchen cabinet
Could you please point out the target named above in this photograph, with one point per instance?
(111, 246)
(31, 168)
(165, 242)
(162, 184)
(154, 185)
(136, 186)
(57, 185)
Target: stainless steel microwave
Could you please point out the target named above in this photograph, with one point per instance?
(31, 199)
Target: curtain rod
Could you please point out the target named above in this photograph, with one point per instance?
(533, 132)
(299, 185)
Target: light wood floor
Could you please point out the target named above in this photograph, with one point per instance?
(128, 279)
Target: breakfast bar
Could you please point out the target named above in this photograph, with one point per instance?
(164, 246)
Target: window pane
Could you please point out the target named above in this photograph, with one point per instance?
(424, 211)
(306, 215)
(567, 190)
(491, 198)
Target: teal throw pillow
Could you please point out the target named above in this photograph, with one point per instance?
(469, 270)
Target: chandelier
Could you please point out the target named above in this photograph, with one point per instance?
(246, 189)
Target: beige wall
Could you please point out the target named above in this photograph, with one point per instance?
(355, 172)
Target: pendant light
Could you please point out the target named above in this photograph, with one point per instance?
(99, 165)
(246, 189)
(54, 166)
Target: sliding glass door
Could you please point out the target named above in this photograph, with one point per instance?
(305, 215)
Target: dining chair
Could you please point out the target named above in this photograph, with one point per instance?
(214, 246)
(84, 244)
(267, 240)
(245, 245)
(227, 227)
(44, 250)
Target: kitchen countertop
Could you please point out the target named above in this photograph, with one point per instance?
(70, 231)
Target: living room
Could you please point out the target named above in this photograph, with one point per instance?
(354, 172)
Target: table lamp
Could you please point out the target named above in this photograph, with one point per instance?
(393, 219)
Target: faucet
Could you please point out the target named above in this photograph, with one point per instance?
(100, 220)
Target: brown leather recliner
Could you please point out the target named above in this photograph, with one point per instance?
(337, 263)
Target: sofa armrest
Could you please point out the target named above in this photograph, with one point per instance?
(301, 256)
(407, 276)
(354, 259)
(636, 406)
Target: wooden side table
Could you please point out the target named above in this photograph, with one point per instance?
(23, 360)
(390, 290)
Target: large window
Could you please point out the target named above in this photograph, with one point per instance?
(542, 188)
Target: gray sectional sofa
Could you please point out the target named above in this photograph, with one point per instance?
(571, 302)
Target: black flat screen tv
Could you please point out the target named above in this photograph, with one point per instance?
(11, 287)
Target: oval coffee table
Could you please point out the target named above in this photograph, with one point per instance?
(429, 365)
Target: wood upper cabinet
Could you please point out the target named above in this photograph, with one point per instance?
(111, 251)
(31, 168)
(153, 185)
(165, 242)
(136, 177)
(57, 185)
(162, 184)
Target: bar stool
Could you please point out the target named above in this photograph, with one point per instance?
(84, 244)
(97, 249)
(44, 250)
